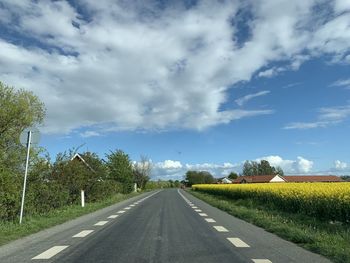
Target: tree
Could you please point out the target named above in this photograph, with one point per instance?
(279, 171)
(120, 169)
(265, 168)
(233, 175)
(201, 177)
(251, 168)
(142, 171)
(74, 175)
(19, 109)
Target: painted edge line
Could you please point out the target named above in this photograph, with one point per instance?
(237, 242)
(220, 229)
(50, 252)
(83, 233)
(101, 223)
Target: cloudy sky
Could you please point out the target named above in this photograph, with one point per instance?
(191, 84)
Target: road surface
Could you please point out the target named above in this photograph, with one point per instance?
(162, 226)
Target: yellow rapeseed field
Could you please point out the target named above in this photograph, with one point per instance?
(329, 201)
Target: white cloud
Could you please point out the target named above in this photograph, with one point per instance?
(304, 165)
(342, 83)
(132, 65)
(341, 5)
(300, 165)
(268, 73)
(339, 165)
(306, 125)
(169, 164)
(241, 101)
(88, 134)
(327, 117)
(175, 170)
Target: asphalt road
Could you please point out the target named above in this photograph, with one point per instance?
(162, 226)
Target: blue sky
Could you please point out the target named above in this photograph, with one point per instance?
(189, 89)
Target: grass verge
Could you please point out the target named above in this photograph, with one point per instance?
(13, 230)
(331, 240)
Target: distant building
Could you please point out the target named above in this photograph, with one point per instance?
(79, 158)
(224, 180)
(312, 178)
(287, 179)
(259, 179)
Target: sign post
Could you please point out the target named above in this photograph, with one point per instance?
(82, 198)
(29, 140)
(28, 137)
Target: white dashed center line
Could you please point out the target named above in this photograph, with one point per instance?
(194, 207)
(261, 261)
(198, 210)
(237, 242)
(132, 205)
(203, 214)
(220, 229)
(127, 208)
(113, 216)
(83, 233)
(121, 212)
(210, 220)
(50, 252)
(101, 223)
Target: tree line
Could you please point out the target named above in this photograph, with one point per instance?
(250, 168)
(55, 183)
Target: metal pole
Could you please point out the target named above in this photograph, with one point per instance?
(25, 175)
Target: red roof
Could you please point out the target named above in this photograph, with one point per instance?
(254, 179)
(288, 178)
(312, 178)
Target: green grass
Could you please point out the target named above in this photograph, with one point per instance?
(331, 240)
(13, 230)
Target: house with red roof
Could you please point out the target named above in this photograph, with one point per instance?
(287, 179)
(259, 179)
(312, 178)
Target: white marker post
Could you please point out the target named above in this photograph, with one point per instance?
(82, 198)
(29, 140)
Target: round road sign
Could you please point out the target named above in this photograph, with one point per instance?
(35, 138)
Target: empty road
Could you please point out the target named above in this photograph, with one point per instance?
(162, 226)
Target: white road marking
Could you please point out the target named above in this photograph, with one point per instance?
(113, 216)
(50, 252)
(194, 207)
(261, 261)
(127, 208)
(83, 233)
(132, 205)
(198, 210)
(101, 223)
(237, 242)
(121, 212)
(220, 229)
(210, 220)
(202, 214)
